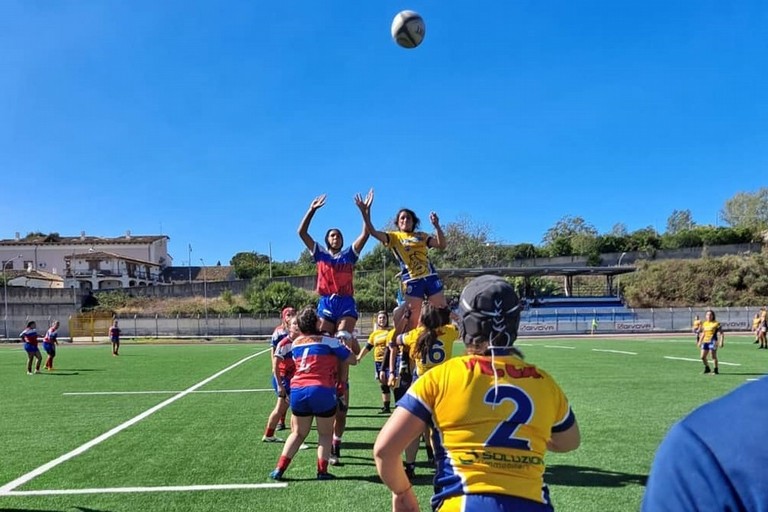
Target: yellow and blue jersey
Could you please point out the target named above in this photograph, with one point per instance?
(489, 437)
(441, 350)
(410, 249)
(709, 331)
(378, 341)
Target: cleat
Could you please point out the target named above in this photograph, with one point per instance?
(707, 369)
(717, 372)
(325, 476)
(333, 460)
(410, 472)
(271, 439)
(280, 426)
(304, 446)
(276, 475)
(385, 410)
(29, 373)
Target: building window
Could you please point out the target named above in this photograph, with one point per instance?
(28, 264)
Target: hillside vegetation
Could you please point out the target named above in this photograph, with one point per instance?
(716, 282)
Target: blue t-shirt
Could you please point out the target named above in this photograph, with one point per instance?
(715, 458)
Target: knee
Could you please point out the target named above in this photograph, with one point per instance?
(385, 389)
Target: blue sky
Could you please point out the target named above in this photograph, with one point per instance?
(216, 123)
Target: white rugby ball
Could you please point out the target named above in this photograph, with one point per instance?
(408, 29)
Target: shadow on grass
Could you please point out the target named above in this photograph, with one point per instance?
(358, 428)
(57, 373)
(363, 408)
(580, 476)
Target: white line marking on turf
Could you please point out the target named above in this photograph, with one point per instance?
(174, 488)
(103, 437)
(614, 351)
(699, 360)
(79, 393)
(559, 346)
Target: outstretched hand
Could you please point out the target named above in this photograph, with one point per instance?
(364, 204)
(434, 219)
(317, 202)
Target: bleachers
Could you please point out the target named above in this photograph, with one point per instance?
(576, 309)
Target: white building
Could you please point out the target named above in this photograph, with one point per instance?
(90, 262)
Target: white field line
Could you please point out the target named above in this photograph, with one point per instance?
(174, 488)
(85, 393)
(699, 360)
(103, 437)
(559, 346)
(614, 351)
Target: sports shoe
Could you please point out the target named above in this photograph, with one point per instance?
(280, 426)
(385, 410)
(304, 446)
(717, 371)
(29, 373)
(271, 439)
(325, 476)
(410, 472)
(333, 460)
(707, 369)
(276, 475)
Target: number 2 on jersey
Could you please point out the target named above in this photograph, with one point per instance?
(503, 435)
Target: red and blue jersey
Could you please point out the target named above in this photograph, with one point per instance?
(51, 336)
(317, 361)
(278, 334)
(29, 336)
(114, 334)
(285, 365)
(335, 271)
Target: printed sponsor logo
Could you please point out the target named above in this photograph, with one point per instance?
(537, 328)
(500, 460)
(736, 325)
(635, 326)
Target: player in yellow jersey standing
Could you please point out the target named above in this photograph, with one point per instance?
(710, 339)
(377, 342)
(696, 327)
(494, 416)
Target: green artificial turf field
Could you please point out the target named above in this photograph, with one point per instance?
(188, 415)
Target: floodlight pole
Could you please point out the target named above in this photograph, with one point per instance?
(205, 295)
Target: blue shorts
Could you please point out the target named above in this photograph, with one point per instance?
(424, 287)
(314, 401)
(286, 384)
(493, 503)
(50, 348)
(31, 348)
(379, 367)
(335, 307)
(711, 346)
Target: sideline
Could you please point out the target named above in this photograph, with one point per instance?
(87, 393)
(7, 488)
(174, 488)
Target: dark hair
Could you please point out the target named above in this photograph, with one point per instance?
(30, 323)
(432, 318)
(307, 321)
(382, 312)
(416, 221)
(710, 311)
(328, 233)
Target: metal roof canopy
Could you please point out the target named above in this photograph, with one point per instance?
(536, 271)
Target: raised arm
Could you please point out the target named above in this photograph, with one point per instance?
(437, 241)
(359, 243)
(365, 209)
(316, 204)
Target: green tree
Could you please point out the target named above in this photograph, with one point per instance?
(276, 295)
(248, 265)
(559, 239)
(747, 210)
(680, 220)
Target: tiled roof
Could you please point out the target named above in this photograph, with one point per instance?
(33, 274)
(84, 240)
